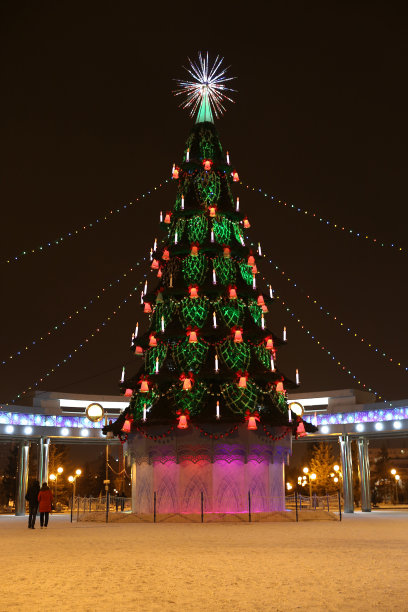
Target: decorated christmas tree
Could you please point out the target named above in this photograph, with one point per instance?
(209, 361)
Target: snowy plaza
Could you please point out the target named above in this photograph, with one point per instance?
(357, 564)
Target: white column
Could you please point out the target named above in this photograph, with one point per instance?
(22, 478)
(364, 473)
(347, 469)
(43, 460)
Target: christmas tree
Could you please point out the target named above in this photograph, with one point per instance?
(209, 360)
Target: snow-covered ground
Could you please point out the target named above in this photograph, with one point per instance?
(358, 564)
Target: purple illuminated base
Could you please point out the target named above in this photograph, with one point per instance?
(182, 467)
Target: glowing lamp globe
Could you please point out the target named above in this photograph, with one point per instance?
(147, 307)
(235, 178)
(192, 337)
(238, 336)
(128, 392)
(233, 293)
(127, 426)
(94, 412)
(167, 218)
(247, 224)
(186, 384)
(153, 340)
(182, 424)
(242, 383)
(155, 265)
(144, 386)
(252, 422)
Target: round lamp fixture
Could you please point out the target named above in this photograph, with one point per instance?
(296, 408)
(94, 412)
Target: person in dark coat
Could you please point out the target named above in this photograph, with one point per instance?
(45, 502)
(32, 498)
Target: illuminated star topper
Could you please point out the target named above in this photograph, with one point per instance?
(206, 90)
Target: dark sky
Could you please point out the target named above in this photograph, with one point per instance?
(88, 123)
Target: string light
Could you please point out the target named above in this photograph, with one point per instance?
(83, 344)
(72, 234)
(326, 222)
(69, 318)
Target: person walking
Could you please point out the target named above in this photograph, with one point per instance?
(32, 498)
(45, 501)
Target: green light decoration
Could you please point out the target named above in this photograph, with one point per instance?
(225, 269)
(279, 400)
(194, 312)
(154, 352)
(139, 400)
(189, 143)
(205, 112)
(207, 149)
(194, 269)
(165, 310)
(231, 312)
(237, 232)
(255, 311)
(190, 400)
(222, 230)
(197, 228)
(263, 355)
(208, 185)
(178, 227)
(246, 272)
(236, 356)
(240, 399)
(190, 356)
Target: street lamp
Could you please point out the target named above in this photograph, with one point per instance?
(54, 479)
(397, 477)
(307, 478)
(72, 480)
(289, 486)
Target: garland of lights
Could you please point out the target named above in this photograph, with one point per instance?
(82, 345)
(68, 318)
(72, 234)
(326, 222)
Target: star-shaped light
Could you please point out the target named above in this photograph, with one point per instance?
(206, 91)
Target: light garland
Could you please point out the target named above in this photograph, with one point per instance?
(62, 239)
(68, 318)
(326, 222)
(379, 352)
(83, 344)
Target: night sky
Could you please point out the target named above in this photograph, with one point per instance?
(89, 123)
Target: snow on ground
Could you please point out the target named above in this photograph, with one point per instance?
(358, 564)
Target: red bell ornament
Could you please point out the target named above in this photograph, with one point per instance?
(155, 265)
(194, 250)
(127, 426)
(261, 301)
(269, 344)
(238, 335)
(192, 338)
(159, 273)
(300, 430)
(207, 163)
(182, 422)
(252, 422)
(233, 293)
(247, 224)
(235, 176)
(128, 392)
(264, 308)
(227, 252)
(193, 291)
(254, 269)
(138, 350)
(147, 307)
(251, 260)
(242, 382)
(212, 210)
(279, 387)
(167, 218)
(152, 340)
(175, 172)
(144, 386)
(186, 384)
(166, 255)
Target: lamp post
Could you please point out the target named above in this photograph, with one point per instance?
(72, 480)
(54, 479)
(308, 478)
(397, 477)
(95, 413)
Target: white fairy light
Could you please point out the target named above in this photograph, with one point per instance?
(237, 206)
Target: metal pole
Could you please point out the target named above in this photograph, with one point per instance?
(77, 509)
(296, 502)
(328, 505)
(107, 506)
(22, 478)
(72, 505)
(154, 507)
(249, 506)
(347, 469)
(364, 474)
(338, 492)
(202, 507)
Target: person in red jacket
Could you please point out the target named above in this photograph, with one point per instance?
(45, 503)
